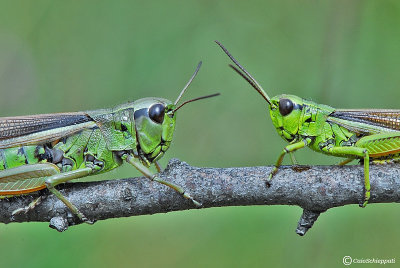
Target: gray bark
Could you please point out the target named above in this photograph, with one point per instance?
(315, 189)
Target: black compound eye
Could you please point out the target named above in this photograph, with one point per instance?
(285, 106)
(156, 113)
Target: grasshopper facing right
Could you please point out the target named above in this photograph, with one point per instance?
(39, 151)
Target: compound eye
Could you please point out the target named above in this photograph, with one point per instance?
(285, 106)
(156, 113)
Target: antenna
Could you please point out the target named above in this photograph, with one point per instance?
(246, 75)
(195, 99)
(188, 83)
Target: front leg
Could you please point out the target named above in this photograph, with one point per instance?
(158, 166)
(288, 149)
(147, 173)
(293, 158)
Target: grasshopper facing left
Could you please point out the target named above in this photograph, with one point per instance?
(40, 151)
(372, 134)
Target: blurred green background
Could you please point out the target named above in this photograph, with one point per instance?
(58, 56)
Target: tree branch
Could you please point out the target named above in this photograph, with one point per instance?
(315, 189)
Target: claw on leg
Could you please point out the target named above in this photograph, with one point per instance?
(178, 189)
(288, 149)
(29, 207)
(147, 173)
(367, 195)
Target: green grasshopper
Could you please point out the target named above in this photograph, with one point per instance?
(40, 151)
(354, 134)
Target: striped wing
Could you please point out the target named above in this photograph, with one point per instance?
(367, 121)
(33, 129)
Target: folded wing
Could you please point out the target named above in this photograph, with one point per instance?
(367, 121)
(33, 129)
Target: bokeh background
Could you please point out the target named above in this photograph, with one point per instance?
(58, 56)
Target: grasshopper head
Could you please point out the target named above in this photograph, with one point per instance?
(286, 114)
(285, 110)
(155, 123)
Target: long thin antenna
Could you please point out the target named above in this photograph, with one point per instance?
(188, 83)
(195, 99)
(246, 75)
(250, 82)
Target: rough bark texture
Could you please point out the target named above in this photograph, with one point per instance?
(315, 189)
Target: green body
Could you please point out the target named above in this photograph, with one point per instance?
(42, 151)
(323, 128)
(353, 134)
(101, 144)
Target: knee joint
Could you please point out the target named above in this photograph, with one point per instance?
(48, 183)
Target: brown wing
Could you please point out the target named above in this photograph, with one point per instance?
(21, 130)
(11, 127)
(365, 120)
